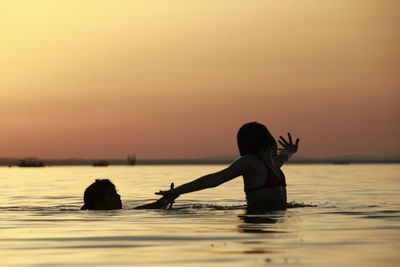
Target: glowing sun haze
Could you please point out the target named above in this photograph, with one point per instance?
(176, 79)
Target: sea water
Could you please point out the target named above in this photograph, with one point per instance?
(339, 215)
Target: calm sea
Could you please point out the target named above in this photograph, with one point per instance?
(341, 215)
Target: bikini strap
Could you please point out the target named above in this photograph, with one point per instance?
(282, 179)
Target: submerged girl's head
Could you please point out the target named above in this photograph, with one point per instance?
(101, 195)
(253, 137)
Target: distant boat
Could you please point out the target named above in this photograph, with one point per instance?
(131, 160)
(341, 162)
(31, 162)
(100, 163)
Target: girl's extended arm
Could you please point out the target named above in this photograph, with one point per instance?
(236, 169)
(162, 203)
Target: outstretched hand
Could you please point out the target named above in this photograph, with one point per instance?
(168, 196)
(288, 146)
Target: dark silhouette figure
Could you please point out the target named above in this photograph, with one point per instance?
(259, 164)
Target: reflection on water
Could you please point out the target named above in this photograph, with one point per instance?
(338, 216)
(258, 224)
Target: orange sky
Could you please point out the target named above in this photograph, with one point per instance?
(172, 79)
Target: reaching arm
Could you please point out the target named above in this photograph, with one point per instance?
(236, 169)
(162, 203)
(287, 150)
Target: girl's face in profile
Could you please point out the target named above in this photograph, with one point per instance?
(271, 149)
(274, 149)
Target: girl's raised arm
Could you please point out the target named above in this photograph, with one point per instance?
(287, 150)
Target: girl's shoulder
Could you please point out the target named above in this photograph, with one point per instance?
(249, 162)
(250, 158)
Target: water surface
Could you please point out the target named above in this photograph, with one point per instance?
(347, 215)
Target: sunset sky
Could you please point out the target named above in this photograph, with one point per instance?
(176, 79)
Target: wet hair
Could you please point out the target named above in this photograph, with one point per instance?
(252, 137)
(95, 192)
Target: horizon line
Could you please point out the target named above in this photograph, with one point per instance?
(12, 161)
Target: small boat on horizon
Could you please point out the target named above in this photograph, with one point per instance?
(341, 162)
(31, 162)
(100, 163)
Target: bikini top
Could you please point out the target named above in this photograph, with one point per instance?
(272, 179)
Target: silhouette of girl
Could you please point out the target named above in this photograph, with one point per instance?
(259, 165)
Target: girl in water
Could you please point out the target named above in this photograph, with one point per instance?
(259, 165)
